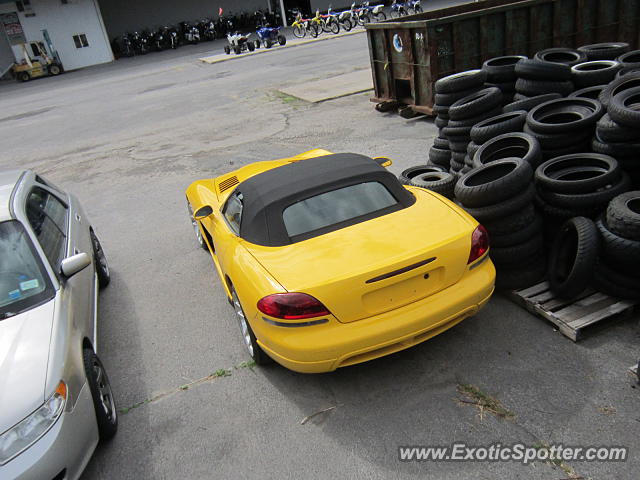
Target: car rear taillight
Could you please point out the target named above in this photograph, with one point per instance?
(479, 243)
(292, 306)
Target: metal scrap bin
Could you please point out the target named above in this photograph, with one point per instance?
(409, 54)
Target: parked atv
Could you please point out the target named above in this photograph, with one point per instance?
(239, 42)
(269, 36)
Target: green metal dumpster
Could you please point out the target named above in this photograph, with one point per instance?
(409, 54)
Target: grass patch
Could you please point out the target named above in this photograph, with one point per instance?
(484, 402)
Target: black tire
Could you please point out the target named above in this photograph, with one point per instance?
(577, 173)
(461, 81)
(282, 40)
(518, 236)
(55, 69)
(104, 402)
(507, 88)
(456, 166)
(616, 149)
(100, 259)
(594, 199)
(505, 208)
(630, 59)
(528, 272)
(604, 51)
(623, 215)
(471, 121)
(334, 27)
(529, 103)
(440, 122)
(444, 100)
(346, 25)
(227, 49)
(249, 339)
(618, 248)
(476, 104)
(457, 134)
(533, 88)
(508, 145)
(511, 223)
(439, 182)
(380, 16)
(565, 56)
(472, 148)
(625, 108)
(514, 254)
(24, 76)
(626, 70)
(494, 182)
(408, 174)
(439, 142)
(237, 50)
(565, 115)
(439, 156)
(573, 257)
(498, 125)
(268, 43)
(588, 92)
(502, 69)
(618, 85)
(459, 147)
(552, 212)
(251, 46)
(568, 150)
(557, 141)
(616, 284)
(536, 70)
(596, 72)
(609, 131)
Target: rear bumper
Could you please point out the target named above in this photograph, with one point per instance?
(324, 348)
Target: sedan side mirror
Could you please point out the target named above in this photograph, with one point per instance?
(203, 212)
(74, 264)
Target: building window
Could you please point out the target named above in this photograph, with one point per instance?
(80, 40)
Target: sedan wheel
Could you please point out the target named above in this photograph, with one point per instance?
(102, 395)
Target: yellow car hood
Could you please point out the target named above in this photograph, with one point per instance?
(419, 251)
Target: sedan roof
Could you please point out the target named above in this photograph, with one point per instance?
(266, 195)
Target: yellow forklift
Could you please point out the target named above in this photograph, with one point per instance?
(36, 62)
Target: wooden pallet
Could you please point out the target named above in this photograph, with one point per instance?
(571, 316)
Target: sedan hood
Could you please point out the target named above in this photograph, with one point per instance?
(24, 354)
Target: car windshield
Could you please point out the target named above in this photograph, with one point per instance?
(24, 283)
(336, 206)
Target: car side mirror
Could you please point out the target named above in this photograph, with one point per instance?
(384, 161)
(74, 264)
(203, 212)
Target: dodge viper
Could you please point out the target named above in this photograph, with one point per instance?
(328, 260)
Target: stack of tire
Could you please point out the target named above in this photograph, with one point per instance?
(579, 184)
(449, 90)
(491, 128)
(564, 125)
(500, 196)
(545, 73)
(430, 177)
(463, 115)
(618, 132)
(617, 272)
(501, 73)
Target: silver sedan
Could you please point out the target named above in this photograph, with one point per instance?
(55, 399)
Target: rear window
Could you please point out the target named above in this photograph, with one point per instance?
(337, 206)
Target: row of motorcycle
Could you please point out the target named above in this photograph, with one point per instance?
(333, 22)
(187, 33)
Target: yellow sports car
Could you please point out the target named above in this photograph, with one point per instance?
(329, 261)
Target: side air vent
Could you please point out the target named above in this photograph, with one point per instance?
(228, 183)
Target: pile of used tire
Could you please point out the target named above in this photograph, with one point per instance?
(617, 272)
(431, 177)
(618, 131)
(500, 195)
(572, 117)
(449, 90)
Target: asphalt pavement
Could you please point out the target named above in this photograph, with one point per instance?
(129, 137)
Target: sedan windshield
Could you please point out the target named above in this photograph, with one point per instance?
(24, 283)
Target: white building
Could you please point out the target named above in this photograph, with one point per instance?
(74, 28)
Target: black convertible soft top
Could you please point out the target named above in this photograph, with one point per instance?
(266, 195)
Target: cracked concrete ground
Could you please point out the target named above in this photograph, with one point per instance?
(128, 138)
